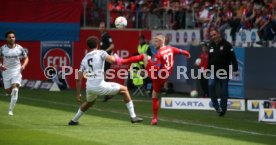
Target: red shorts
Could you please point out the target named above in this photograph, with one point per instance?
(157, 82)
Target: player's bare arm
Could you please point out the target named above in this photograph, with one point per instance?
(110, 48)
(25, 63)
(110, 59)
(2, 67)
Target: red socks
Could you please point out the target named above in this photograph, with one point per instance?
(155, 107)
(132, 59)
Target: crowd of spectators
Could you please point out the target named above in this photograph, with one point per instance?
(236, 15)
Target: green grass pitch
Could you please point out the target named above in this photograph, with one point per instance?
(41, 118)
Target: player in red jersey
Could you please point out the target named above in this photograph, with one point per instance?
(158, 69)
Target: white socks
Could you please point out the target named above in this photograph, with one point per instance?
(14, 97)
(130, 108)
(129, 105)
(78, 115)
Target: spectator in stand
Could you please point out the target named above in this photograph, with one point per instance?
(266, 29)
(189, 6)
(178, 16)
(156, 13)
(204, 18)
(248, 17)
(234, 22)
(143, 16)
(223, 16)
(213, 23)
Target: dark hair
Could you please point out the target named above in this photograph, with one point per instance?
(9, 32)
(92, 42)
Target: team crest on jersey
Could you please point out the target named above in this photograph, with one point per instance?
(56, 53)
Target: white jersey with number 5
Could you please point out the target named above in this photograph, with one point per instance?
(93, 66)
(11, 60)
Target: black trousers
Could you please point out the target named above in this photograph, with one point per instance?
(204, 86)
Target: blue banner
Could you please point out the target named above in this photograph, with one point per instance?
(236, 84)
(42, 31)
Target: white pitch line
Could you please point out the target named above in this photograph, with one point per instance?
(165, 120)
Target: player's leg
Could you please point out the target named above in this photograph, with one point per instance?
(13, 90)
(157, 85)
(127, 100)
(90, 100)
(14, 97)
(130, 60)
(8, 91)
(7, 85)
(111, 88)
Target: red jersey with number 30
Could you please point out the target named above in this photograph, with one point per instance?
(164, 59)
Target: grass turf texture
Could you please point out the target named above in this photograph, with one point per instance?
(41, 118)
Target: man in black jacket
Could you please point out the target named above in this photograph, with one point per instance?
(221, 56)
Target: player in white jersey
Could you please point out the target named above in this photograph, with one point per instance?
(11, 54)
(92, 67)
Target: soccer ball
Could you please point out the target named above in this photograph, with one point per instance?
(194, 93)
(198, 61)
(120, 22)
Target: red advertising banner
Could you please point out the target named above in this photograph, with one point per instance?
(41, 11)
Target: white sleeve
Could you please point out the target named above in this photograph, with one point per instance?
(83, 65)
(104, 54)
(23, 53)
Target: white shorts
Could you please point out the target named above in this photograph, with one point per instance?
(12, 80)
(105, 88)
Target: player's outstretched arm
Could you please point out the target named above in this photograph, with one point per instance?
(110, 59)
(183, 52)
(78, 86)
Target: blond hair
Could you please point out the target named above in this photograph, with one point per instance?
(160, 37)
